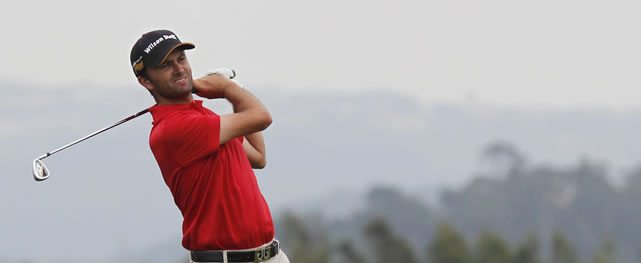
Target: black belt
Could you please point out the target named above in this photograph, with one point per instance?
(257, 255)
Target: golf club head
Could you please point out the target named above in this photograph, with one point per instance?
(40, 171)
(225, 72)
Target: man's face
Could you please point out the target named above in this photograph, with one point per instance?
(171, 81)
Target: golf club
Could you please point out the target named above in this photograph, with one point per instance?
(40, 170)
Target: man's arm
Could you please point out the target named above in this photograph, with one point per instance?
(250, 116)
(254, 146)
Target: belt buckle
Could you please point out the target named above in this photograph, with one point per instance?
(263, 254)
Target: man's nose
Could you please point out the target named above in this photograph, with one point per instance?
(178, 68)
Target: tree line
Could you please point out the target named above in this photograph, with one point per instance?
(512, 212)
(382, 244)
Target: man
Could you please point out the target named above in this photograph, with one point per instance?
(206, 160)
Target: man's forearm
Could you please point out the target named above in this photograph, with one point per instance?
(241, 99)
(254, 147)
(257, 141)
(250, 116)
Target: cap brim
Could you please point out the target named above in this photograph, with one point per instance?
(183, 46)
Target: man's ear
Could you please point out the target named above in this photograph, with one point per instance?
(146, 83)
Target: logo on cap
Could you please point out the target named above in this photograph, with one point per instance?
(138, 65)
(160, 39)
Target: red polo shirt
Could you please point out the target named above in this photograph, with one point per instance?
(213, 185)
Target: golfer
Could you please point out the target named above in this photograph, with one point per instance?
(206, 159)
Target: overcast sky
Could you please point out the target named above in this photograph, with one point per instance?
(533, 54)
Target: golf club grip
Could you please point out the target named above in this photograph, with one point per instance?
(224, 72)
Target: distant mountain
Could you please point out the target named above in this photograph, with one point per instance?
(168, 250)
(106, 195)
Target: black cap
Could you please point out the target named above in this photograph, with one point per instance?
(152, 49)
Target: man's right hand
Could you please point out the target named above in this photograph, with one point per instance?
(212, 86)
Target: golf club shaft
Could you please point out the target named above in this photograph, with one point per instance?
(94, 134)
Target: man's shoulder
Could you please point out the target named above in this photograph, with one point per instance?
(169, 123)
(178, 122)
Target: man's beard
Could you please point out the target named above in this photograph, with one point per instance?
(175, 92)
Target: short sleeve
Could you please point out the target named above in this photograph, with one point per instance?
(193, 137)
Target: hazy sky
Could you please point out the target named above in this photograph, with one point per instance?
(535, 54)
